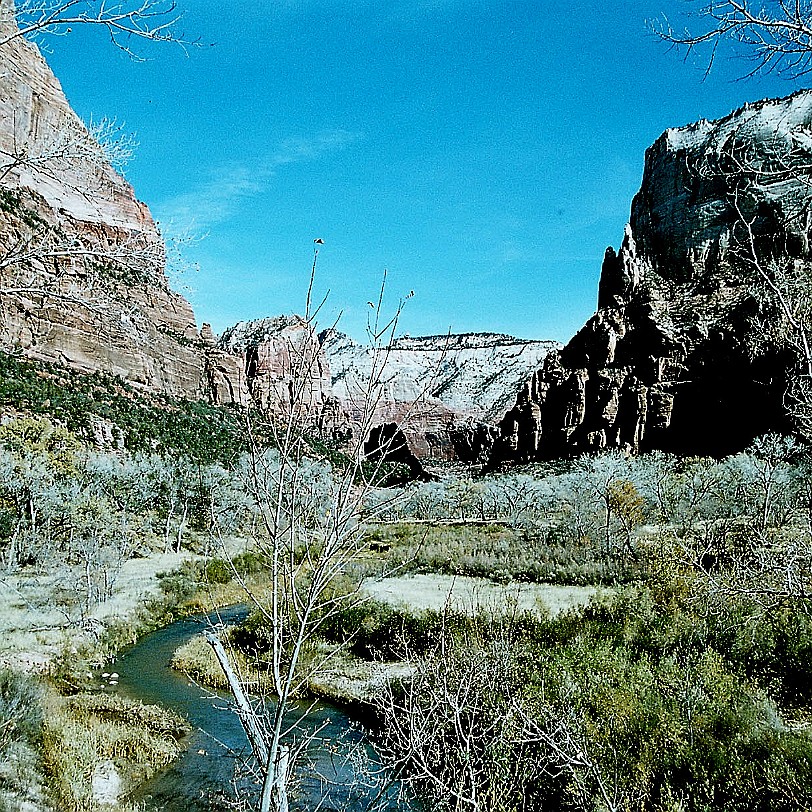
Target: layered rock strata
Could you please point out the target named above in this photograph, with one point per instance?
(690, 349)
(445, 392)
(83, 282)
(286, 371)
(82, 264)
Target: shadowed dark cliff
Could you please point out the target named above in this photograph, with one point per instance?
(688, 350)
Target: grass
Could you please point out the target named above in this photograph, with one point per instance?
(494, 551)
(474, 595)
(196, 659)
(132, 739)
(21, 719)
(52, 746)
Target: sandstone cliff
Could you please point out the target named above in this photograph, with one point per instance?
(449, 392)
(82, 265)
(83, 283)
(285, 369)
(689, 350)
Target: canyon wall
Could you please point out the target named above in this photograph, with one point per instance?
(82, 264)
(689, 350)
(83, 283)
(447, 392)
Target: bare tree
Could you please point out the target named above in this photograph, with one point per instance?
(561, 735)
(309, 535)
(450, 731)
(775, 36)
(47, 257)
(463, 731)
(773, 574)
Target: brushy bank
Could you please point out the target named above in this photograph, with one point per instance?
(655, 699)
(114, 742)
(64, 743)
(78, 753)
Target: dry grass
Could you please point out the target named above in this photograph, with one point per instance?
(33, 630)
(196, 659)
(93, 741)
(21, 780)
(493, 551)
(475, 595)
(346, 679)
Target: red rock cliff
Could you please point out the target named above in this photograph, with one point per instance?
(82, 265)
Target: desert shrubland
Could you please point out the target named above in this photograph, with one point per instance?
(683, 685)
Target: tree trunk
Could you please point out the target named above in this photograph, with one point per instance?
(275, 776)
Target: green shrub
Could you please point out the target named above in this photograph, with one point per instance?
(153, 422)
(218, 571)
(656, 707)
(253, 635)
(248, 563)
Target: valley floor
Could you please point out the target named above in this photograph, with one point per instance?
(34, 629)
(474, 595)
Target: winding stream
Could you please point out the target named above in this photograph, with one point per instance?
(340, 763)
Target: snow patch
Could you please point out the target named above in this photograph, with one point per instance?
(106, 784)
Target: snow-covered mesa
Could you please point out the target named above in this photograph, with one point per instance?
(475, 373)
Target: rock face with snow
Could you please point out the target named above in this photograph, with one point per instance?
(447, 392)
(688, 350)
(82, 265)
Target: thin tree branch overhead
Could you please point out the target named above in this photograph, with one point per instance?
(774, 36)
(125, 21)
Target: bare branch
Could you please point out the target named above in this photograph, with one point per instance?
(309, 530)
(125, 21)
(773, 35)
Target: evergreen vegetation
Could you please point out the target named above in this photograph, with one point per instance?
(139, 421)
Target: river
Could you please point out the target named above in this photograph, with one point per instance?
(339, 770)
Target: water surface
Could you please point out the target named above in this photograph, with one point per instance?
(340, 773)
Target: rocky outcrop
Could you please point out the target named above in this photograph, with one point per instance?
(82, 265)
(447, 393)
(83, 283)
(688, 350)
(285, 370)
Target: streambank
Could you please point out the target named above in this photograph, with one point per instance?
(338, 770)
(346, 679)
(72, 740)
(339, 676)
(38, 624)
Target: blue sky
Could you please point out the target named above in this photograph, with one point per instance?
(484, 152)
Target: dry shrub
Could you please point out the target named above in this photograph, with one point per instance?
(138, 739)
